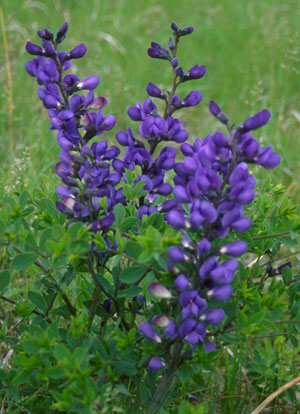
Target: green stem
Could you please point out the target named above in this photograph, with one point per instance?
(93, 307)
(166, 382)
(269, 236)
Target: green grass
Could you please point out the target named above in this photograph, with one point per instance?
(250, 48)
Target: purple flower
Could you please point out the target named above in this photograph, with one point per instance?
(177, 255)
(186, 30)
(196, 72)
(149, 332)
(256, 121)
(61, 33)
(77, 53)
(34, 49)
(213, 316)
(159, 52)
(155, 364)
(221, 293)
(89, 83)
(171, 330)
(209, 346)
(192, 99)
(181, 282)
(154, 91)
(234, 249)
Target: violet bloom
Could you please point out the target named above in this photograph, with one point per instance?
(149, 332)
(256, 121)
(89, 83)
(234, 249)
(192, 99)
(155, 364)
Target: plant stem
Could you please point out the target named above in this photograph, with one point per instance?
(275, 394)
(166, 382)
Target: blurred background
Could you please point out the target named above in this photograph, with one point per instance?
(251, 50)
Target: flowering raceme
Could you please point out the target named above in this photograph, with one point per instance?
(204, 202)
(86, 170)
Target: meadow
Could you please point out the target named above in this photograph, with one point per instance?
(251, 50)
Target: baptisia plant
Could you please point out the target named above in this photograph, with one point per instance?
(202, 196)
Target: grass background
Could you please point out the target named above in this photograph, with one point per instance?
(250, 48)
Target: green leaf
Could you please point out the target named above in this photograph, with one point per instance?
(46, 235)
(128, 192)
(74, 229)
(58, 232)
(55, 373)
(49, 205)
(293, 340)
(130, 292)
(61, 352)
(23, 199)
(133, 249)
(62, 310)
(21, 378)
(80, 246)
(257, 317)
(119, 213)
(128, 223)
(30, 346)
(23, 261)
(105, 283)
(4, 280)
(2, 227)
(122, 389)
(287, 274)
(184, 408)
(132, 274)
(202, 408)
(123, 367)
(242, 318)
(37, 300)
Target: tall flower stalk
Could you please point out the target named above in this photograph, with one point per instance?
(204, 202)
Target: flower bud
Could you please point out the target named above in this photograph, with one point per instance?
(155, 364)
(160, 320)
(234, 249)
(186, 30)
(149, 332)
(34, 49)
(256, 121)
(181, 282)
(192, 99)
(175, 218)
(89, 83)
(159, 290)
(171, 330)
(187, 326)
(204, 246)
(213, 316)
(217, 112)
(77, 53)
(174, 62)
(221, 293)
(177, 255)
(196, 72)
(154, 91)
(61, 33)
